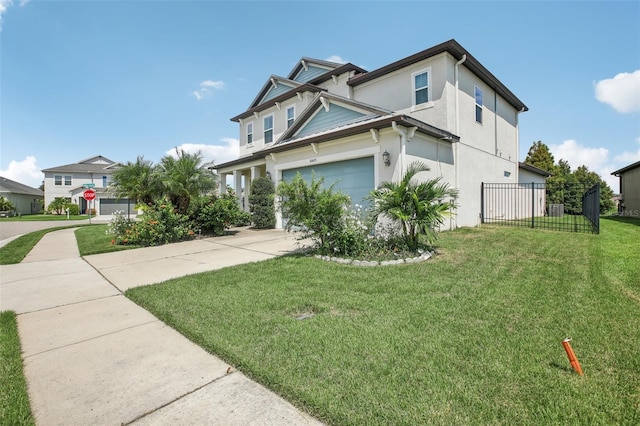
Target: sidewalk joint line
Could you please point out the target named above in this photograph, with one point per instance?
(93, 338)
(178, 398)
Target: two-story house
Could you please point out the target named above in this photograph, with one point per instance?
(357, 129)
(71, 180)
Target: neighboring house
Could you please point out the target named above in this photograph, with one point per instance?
(70, 182)
(26, 200)
(629, 204)
(357, 129)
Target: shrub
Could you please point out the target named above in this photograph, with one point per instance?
(160, 224)
(214, 214)
(73, 209)
(316, 211)
(263, 212)
(57, 206)
(6, 205)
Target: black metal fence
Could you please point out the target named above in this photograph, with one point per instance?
(558, 206)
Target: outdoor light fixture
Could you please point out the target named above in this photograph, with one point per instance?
(386, 158)
(269, 175)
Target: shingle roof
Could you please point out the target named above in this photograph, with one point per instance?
(13, 187)
(85, 166)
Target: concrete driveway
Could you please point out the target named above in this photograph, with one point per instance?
(91, 356)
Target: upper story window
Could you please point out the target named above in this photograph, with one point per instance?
(268, 129)
(291, 115)
(57, 180)
(67, 180)
(249, 133)
(421, 87)
(478, 96)
(104, 181)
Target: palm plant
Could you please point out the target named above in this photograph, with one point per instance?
(136, 181)
(419, 207)
(183, 177)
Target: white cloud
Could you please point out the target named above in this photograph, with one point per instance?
(629, 157)
(226, 151)
(595, 159)
(5, 4)
(578, 155)
(206, 87)
(25, 172)
(622, 92)
(337, 59)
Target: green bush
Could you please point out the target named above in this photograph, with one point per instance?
(6, 205)
(263, 211)
(73, 209)
(160, 224)
(317, 212)
(215, 214)
(57, 206)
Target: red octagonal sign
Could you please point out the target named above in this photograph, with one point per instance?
(89, 194)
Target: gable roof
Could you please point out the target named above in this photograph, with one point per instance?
(324, 100)
(257, 106)
(13, 187)
(97, 164)
(534, 169)
(305, 63)
(458, 52)
(626, 169)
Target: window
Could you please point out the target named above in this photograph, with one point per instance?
(104, 181)
(268, 129)
(478, 95)
(421, 87)
(67, 180)
(249, 133)
(291, 112)
(57, 180)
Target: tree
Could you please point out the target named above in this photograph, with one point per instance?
(539, 156)
(136, 181)
(419, 207)
(263, 214)
(184, 177)
(6, 205)
(57, 205)
(588, 178)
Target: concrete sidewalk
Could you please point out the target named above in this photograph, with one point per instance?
(93, 357)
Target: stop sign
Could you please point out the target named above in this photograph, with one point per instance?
(89, 194)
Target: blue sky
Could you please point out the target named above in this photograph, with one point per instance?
(128, 78)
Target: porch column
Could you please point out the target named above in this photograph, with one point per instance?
(222, 183)
(237, 185)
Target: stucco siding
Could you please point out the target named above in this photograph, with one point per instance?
(631, 192)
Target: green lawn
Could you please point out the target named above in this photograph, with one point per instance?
(14, 400)
(470, 337)
(91, 239)
(43, 217)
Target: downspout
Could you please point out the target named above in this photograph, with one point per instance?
(455, 145)
(403, 144)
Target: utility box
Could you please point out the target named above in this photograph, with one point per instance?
(556, 210)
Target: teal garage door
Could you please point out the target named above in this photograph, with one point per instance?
(353, 177)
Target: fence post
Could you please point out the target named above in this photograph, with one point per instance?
(482, 203)
(533, 205)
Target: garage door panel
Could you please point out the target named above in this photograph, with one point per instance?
(110, 206)
(353, 177)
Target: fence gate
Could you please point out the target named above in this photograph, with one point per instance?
(556, 206)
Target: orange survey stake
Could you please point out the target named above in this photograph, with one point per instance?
(572, 356)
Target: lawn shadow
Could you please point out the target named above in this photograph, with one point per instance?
(623, 219)
(560, 367)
